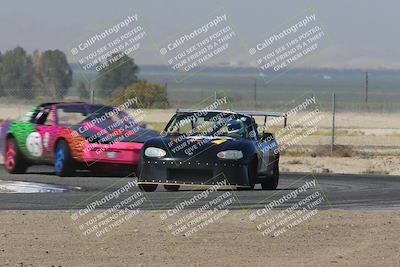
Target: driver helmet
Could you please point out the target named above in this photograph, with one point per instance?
(235, 127)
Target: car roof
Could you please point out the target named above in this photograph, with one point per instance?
(69, 104)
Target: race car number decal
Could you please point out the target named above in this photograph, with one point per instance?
(34, 144)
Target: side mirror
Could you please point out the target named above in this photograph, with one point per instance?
(269, 143)
(267, 137)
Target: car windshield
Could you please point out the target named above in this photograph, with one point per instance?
(70, 115)
(210, 124)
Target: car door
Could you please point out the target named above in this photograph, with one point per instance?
(263, 155)
(46, 130)
(268, 146)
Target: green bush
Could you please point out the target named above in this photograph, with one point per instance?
(149, 95)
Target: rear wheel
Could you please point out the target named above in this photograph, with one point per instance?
(64, 164)
(272, 182)
(148, 187)
(14, 160)
(172, 187)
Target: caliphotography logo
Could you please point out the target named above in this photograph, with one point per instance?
(97, 218)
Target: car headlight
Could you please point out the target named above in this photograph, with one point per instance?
(155, 152)
(230, 154)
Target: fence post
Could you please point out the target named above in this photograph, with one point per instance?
(333, 121)
(91, 93)
(255, 94)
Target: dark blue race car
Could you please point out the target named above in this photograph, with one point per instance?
(211, 147)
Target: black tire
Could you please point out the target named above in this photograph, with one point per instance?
(171, 187)
(252, 174)
(148, 187)
(14, 161)
(272, 182)
(64, 164)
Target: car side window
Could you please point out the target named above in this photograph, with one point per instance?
(48, 120)
(250, 132)
(42, 117)
(254, 132)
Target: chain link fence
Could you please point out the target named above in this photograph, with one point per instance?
(256, 96)
(262, 98)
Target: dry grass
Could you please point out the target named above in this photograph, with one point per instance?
(375, 172)
(294, 161)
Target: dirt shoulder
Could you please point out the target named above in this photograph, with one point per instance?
(330, 238)
(380, 165)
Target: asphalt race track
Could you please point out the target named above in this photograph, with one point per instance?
(356, 192)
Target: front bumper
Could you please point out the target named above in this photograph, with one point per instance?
(193, 172)
(117, 153)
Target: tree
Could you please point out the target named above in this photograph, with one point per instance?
(16, 72)
(83, 91)
(119, 72)
(149, 95)
(53, 73)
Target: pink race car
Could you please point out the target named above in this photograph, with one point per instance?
(73, 136)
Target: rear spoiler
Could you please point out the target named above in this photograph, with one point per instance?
(249, 113)
(266, 114)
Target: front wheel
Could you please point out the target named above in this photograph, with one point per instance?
(14, 160)
(64, 164)
(272, 182)
(171, 187)
(148, 187)
(251, 175)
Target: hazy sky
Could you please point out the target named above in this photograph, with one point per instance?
(362, 34)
